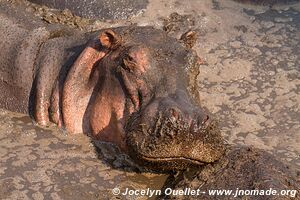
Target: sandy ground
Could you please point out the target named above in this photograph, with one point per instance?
(250, 82)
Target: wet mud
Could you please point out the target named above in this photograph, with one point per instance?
(45, 163)
(249, 79)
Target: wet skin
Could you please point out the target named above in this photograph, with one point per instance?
(128, 87)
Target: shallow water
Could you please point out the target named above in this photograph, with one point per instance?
(250, 82)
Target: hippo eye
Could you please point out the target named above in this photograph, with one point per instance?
(129, 63)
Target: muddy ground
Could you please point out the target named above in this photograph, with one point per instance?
(249, 80)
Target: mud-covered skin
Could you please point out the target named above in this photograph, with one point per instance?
(171, 141)
(122, 79)
(242, 168)
(22, 35)
(102, 83)
(244, 106)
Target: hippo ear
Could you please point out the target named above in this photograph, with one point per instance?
(109, 39)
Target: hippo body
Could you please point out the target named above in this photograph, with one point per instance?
(126, 85)
(240, 169)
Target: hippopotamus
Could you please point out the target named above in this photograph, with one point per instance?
(241, 173)
(125, 85)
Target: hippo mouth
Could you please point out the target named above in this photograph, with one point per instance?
(180, 159)
(189, 161)
(173, 142)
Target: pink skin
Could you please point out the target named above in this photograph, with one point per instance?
(93, 100)
(55, 114)
(78, 88)
(42, 94)
(100, 112)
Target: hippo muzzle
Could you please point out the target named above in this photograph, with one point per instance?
(129, 87)
(174, 133)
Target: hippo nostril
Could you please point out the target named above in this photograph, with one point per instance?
(206, 118)
(174, 113)
(201, 121)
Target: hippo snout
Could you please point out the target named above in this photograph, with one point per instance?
(191, 122)
(174, 133)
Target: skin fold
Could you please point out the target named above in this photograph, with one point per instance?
(126, 85)
(116, 78)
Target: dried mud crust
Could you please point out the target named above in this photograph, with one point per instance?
(254, 81)
(51, 16)
(100, 9)
(72, 19)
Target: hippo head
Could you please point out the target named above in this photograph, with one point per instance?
(129, 87)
